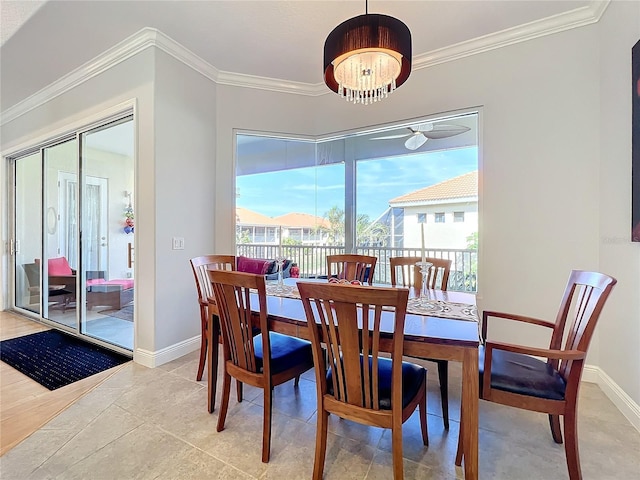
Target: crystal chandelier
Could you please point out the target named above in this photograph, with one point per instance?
(367, 57)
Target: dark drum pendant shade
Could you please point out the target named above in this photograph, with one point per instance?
(367, 57)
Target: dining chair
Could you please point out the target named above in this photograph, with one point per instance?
(201, 266)
(265, 360)
(360, 385)
(514, 375)
(405, 272)
(352, 267)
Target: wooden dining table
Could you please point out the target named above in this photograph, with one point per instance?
(425, 336)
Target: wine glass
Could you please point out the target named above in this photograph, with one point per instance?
(280, 262)
(424, 291)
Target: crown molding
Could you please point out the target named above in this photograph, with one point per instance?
(129, 47)
(576, 18)
(151, 37)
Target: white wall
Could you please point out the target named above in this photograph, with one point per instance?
(186, 184)
(619, 331)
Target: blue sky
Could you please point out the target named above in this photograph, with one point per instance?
(316, 190)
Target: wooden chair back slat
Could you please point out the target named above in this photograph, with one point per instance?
(349, 319)
(582, 303)
(232, 291)
(352, 267)
(201, 267)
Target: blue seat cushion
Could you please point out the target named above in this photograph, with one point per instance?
(286, 352)
(412, 377)
(523, 374)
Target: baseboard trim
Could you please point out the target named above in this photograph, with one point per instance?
(626, 405)
(154, 359)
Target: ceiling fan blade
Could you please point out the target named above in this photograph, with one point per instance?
(415, 141)
(442, 130)
(423, 127)
(388, 137)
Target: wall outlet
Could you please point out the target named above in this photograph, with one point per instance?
(178, 243)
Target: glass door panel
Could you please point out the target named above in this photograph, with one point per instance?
(107, 235)
(28, 231)
(60, 245)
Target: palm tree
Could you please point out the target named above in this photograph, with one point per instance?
(370, 233)
(335, 232)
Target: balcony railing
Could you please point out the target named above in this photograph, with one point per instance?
(312, 260)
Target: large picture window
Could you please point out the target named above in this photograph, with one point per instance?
(362, 193)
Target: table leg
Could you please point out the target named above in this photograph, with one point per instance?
(469, 420)
(213, 333)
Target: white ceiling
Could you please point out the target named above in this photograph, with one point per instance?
(43, 41)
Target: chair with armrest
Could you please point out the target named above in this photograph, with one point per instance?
(359, 385)
(351, 267)
(201, 267)
(405, 272)
(60, 273)
(514, 375)
(265, 360)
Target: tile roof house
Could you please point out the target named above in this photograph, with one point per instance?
(448, 209)
(461, 187)
(300, 227)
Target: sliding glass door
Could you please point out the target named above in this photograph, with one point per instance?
(107, 217)
(73, 232)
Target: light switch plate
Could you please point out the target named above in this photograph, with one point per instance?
(178, 243)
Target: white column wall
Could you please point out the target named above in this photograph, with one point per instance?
(185, 180)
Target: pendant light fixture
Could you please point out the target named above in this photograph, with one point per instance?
(367, 57)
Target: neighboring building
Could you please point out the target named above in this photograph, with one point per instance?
(448, 209)
(304, 228)
(256, 227)
(301, 227)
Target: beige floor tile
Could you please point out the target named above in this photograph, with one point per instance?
(112, 424)
(144, 452)
(21, 461)
(155, 423)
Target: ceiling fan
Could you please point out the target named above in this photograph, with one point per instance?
(419, 134)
